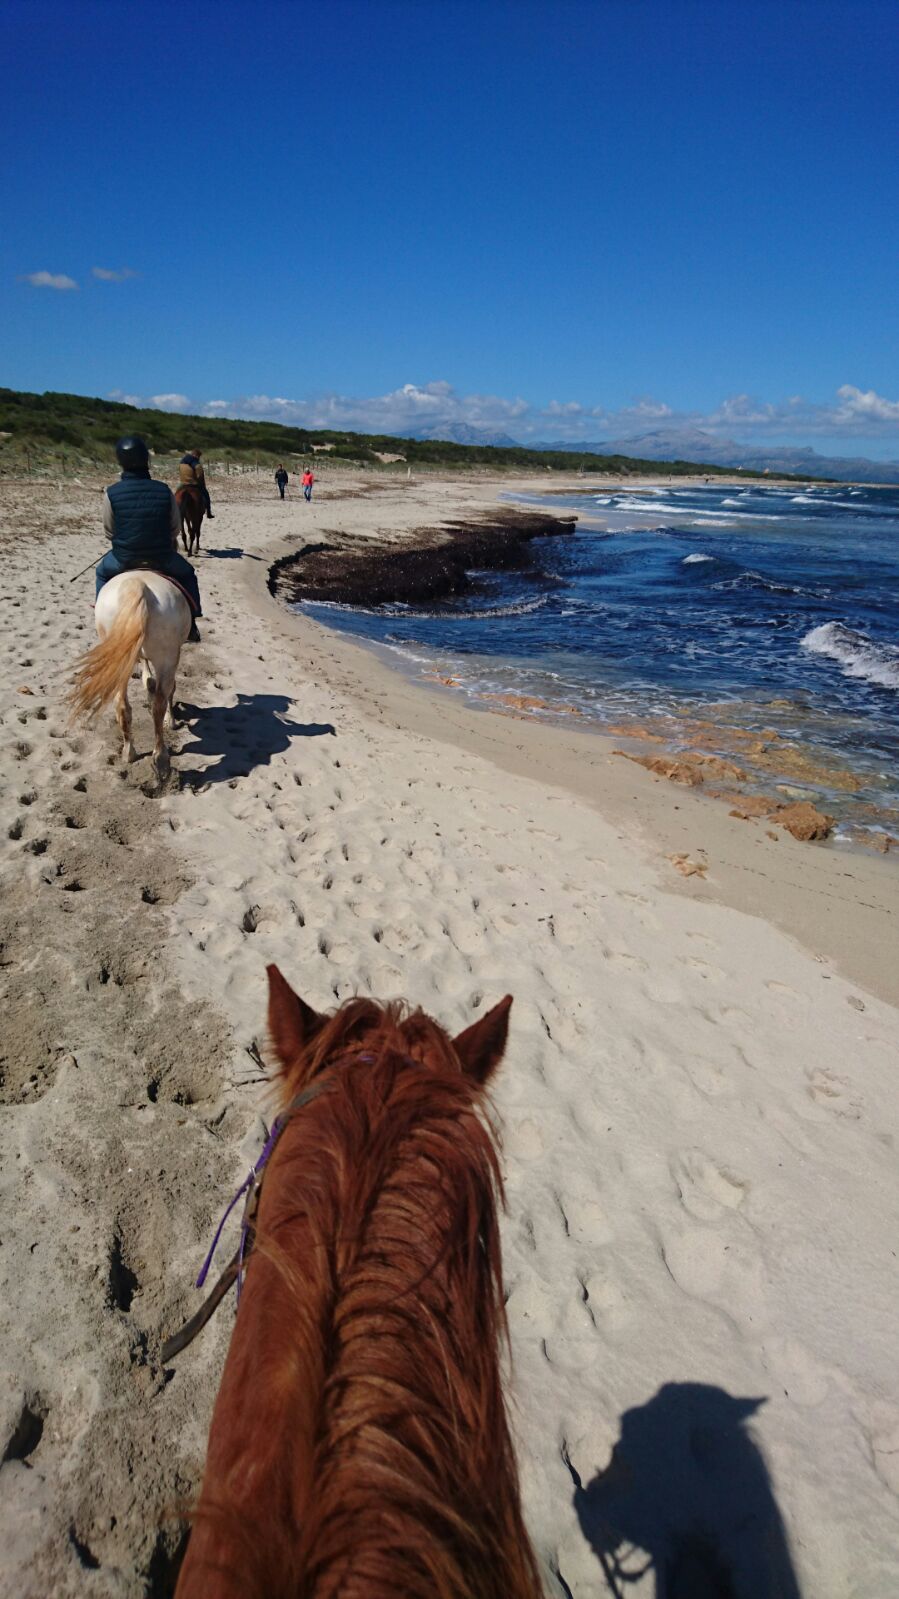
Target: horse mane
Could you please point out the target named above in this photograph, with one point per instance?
(401, 1479)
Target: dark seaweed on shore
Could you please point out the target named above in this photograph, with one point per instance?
(436, 564)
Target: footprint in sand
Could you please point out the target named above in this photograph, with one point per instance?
(339, 952)
(583, 1219)
(524, 1140)
(532, 1305)
(663, 989)
(721, 1268)
(622, 959)
(703, 969)
(608, 1307)
(733, 1013)
(832, 1092)
(704, 1189)
(784, 991)
(578, 1323)
(563, 1028)
(25, 1428)
(591, 1224)
(788, 1126)
(803, 1379)
(884, 1441)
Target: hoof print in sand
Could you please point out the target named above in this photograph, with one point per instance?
(27, 1432)
(122, 1282)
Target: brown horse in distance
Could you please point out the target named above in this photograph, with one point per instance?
(190, 504)
(359, 1446)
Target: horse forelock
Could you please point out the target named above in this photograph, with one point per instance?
(361, 1024)
(379, 1240)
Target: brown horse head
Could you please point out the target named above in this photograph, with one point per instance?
(304, 1041)
(360, 1446)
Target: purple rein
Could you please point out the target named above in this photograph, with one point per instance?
(250, 1186)
(252, 1183)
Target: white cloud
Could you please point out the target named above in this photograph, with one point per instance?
(867, 406)
(864, 414)
(126, 399)
(48, 280)
(648, 411)
(110, 275)
(403, 409)
(853, 414)
(170, 402)
(566, 408)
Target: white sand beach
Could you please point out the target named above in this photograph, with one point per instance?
(698, 1107)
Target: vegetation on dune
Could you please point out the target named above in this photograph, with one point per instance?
(39, 431)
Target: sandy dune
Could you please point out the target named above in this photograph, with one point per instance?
(699, 1112)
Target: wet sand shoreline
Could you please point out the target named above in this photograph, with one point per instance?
(745, 867)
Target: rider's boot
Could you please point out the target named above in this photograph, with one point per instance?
(193, 636)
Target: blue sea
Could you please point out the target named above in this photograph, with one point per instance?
(707, 617)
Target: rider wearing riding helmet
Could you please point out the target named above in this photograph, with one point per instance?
(190, 470)
(142, 520)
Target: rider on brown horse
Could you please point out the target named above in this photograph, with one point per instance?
(191, 473)
(141, 518)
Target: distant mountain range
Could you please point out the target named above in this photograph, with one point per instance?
(672, 444)
(693, 444)
(464, 433)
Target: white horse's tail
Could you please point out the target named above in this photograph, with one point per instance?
(104, 672)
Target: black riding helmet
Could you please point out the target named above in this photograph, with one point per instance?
(132, 453)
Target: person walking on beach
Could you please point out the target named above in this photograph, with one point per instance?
(282, 480)
(308, 480)
(190, 470)
(142, 519)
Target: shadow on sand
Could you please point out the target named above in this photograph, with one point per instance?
(245, 735)
(233, 553)
(687, 1495)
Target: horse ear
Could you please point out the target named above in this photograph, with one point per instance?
(480, 1048)
(291, 1022)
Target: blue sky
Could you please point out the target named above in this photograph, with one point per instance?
(560, 220)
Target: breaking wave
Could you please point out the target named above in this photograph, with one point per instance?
(857, 655)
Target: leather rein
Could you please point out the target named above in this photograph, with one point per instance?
(233, 1272)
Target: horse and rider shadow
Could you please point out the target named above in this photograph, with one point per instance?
(687, 1495)
(244, 736)
(232, 553)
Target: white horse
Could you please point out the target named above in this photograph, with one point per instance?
(142, 615)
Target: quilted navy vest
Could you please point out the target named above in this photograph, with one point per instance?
(142, 510)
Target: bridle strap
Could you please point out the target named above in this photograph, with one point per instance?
(186, 1334)
(233, 1271)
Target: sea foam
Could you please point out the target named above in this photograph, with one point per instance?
(857, 655)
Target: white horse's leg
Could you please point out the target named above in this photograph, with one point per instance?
(123, 717)
(149, 680)
(162, 712)
(161, 758)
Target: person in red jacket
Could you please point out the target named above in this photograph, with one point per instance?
(308, 480)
